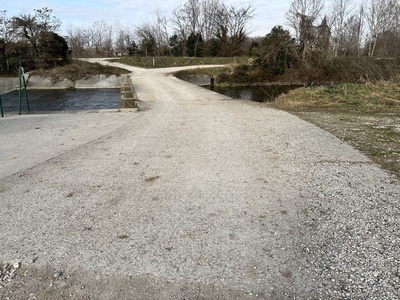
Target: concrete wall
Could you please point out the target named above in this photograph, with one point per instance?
(38, 82)
(8, 85)
(197, 79)
(129, 97)
(95, 81)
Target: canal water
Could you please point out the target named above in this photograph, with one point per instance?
(63, 100)
(258, 94)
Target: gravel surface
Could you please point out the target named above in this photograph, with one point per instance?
(196, 196)
(376, 135)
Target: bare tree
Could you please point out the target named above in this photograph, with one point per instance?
(31, 27)
(101, 35)
(181, 27)
(187, 22)
(204, 22)
(353, 31)
(340, 12)
(120, 41)
(98, 39)
(301, 9)
(5, 27)
(123, 38)
(5, 38)
(46, 21)
(153, 36)
(383, 17)
(162, 35)
(231, 29)
(77, 40)
(208, 18)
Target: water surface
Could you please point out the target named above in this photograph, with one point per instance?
(59, 100)
(258, 94)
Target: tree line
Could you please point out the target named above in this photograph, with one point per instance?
(342, 37)
(213, 28)
(347, 27)
(196, 28)
(317, 31)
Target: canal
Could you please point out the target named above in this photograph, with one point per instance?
(63, 100)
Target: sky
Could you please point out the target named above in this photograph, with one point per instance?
(83, 13)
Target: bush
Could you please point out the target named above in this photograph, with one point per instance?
(52, 50)
(278, 51)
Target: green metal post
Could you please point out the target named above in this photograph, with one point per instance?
(26, 94)
(22, 81)
(19, 90)
(1, 108)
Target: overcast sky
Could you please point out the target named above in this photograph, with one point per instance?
(78, 13)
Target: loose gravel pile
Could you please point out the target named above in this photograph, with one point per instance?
(352, 241)
(8, 272)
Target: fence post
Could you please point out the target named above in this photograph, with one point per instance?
(19, 90)
(1, 108)
(22, 81)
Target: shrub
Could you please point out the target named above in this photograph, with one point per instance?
(52, 49)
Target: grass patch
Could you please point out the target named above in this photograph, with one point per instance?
(212, 72)
(365, 116)
(382, 97)
(9, 75)
(78, 70)
(166, 61)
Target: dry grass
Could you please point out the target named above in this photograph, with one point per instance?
(212, 72)
(77, 70)
(383, 97)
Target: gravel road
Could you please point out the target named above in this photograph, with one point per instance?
(194, 196)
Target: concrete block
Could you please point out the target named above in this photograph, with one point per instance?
(8, 85)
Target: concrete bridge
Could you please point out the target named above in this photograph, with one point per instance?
(194, 196)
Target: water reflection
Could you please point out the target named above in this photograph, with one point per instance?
(56, 100)
(258, 94)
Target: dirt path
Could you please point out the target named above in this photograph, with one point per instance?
(198, 196)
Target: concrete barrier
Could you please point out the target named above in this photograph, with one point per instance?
(128, 94)
(99, 81)
(197, 79)
(8, 85)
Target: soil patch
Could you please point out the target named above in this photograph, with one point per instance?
(376, 135)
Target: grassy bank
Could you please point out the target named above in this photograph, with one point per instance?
(165, 61)
(382, 97)
(212, 72)
(77, 70)
(365, 116)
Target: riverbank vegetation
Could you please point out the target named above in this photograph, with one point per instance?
(381, 97)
